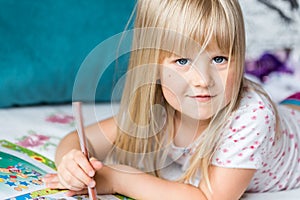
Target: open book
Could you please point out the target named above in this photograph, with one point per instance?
(21, 172)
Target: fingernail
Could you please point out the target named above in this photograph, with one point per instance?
(91, 173)
(92, 158)
(92, 183)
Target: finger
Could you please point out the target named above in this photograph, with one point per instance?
(73, 193)
(77, 157)
(52, 181)
(55, 185)
(70, 182)
(84, 163)
(50, 175)
(71, 173)
(96, 164)
(74, 171)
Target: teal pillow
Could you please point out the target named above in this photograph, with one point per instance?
(43, 44)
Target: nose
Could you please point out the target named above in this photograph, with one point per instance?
(201, 77)
(201, 72)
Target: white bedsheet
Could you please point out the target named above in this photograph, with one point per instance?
(40, 128)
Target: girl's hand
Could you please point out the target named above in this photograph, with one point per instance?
(52, 181)
(74, 173)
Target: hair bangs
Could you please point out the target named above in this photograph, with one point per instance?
(188, 36)
(200, 25)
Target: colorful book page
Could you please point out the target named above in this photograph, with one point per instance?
(21, 172)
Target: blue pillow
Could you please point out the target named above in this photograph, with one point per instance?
(43, 44)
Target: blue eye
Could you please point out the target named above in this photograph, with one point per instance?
(183, 61)
(219, 60)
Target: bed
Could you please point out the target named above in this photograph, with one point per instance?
(40, 128)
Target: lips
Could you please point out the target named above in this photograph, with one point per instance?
(203, 97)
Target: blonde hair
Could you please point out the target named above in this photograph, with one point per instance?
(145, 117)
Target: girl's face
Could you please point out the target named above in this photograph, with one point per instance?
(198, 86)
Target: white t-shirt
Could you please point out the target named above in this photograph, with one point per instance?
(248, 141)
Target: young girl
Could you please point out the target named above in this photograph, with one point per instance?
(190, 126)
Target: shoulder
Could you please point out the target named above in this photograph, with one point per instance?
(248, 134)
(104, 131)
(254, 113)
(108, 127)
(254, 104)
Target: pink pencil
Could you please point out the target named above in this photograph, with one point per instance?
(81, 134)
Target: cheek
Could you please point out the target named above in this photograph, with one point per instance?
(172, 100)
(172, 88)
(170, 96)
(227, 82)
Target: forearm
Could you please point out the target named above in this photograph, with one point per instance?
(136, 184)
(69, 142)
(144, 186)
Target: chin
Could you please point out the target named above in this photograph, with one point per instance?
(200, 116)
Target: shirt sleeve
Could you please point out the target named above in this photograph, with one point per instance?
(247, 138)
